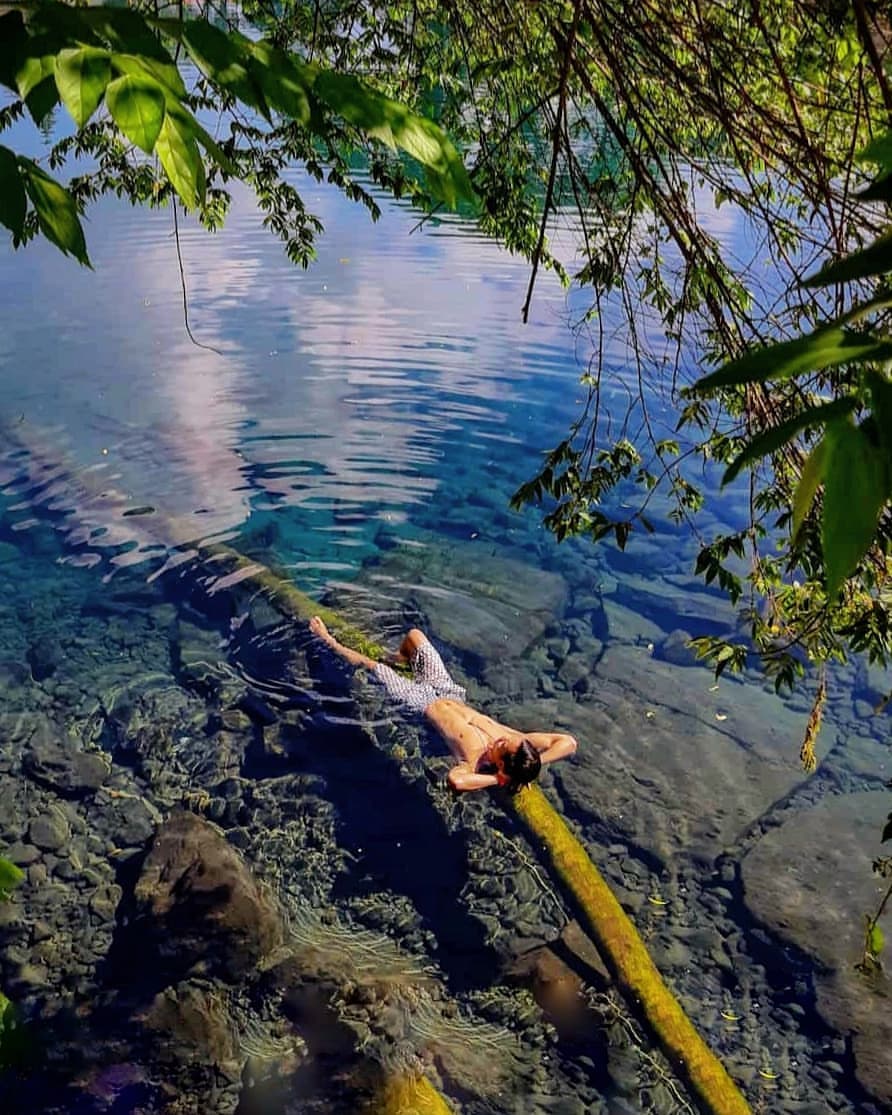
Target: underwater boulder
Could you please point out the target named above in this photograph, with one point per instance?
(55, 760)
(197, 905)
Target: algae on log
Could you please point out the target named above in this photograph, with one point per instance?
(408, 1094)
(609, 925)
(626, 957)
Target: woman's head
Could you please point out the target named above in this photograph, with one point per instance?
(518, 761)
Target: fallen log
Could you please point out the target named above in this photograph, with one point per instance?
(582, 883)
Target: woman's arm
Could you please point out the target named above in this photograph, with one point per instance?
(352, 656)
(462, 778)
(552, 745)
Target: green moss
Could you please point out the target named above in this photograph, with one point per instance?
(625, 954)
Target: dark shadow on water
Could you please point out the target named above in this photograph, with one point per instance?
(399, 841)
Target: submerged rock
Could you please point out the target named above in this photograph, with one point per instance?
(197, 905)
(55, 760)
(489, 605)
(810, 881)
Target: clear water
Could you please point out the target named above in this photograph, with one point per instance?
(362, 426)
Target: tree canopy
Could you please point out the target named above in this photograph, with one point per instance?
(612, 128)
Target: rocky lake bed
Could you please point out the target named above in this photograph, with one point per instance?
(247, 887)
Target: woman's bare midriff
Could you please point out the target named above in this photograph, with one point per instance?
(467, 731)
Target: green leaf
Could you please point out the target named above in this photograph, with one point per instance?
(875, 259)
(284, 81)
(876, 942)
(56, 211)
(222, 58)
(137, 107)
(13, 203)
(811, 476)
(879, 190)
(189, 124)
(771, 440)
(878, 151)
(10, 876)
(81, 78)
(827, 347)
(855, 487)
(395, 125)
(35, 76)
(140, 66)
(13, 45)
(180, 157)
(881, 403)
(125, 30)
(33, 69)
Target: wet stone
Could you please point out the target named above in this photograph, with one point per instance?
(50, 832)
(22, 854)
(57, 762)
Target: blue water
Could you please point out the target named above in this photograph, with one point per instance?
(363, 425)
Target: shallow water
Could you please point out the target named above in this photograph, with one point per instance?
(362, 426)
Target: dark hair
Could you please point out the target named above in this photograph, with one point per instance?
(523, 766)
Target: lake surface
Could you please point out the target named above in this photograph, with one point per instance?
(361, 426)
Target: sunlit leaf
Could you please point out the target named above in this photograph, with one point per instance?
(395, 125)
(827, 347)
(855, 488)
(56, 212)
(13, 203)
(809, 480)
(875, 259)
(190, 125)
(876, 942)
(284, 81)
(33, 69)
(140, 66)
(224, 61)
(137, 107)
(771, 440)
(81, 77)
(178, 151)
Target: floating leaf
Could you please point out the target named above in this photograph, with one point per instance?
(81, 77)
(13, 203)
(56, 212)
(811, 476)
(855, 487)
(825, 348)
(137, 107)
(772, 439)
(180, 157)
